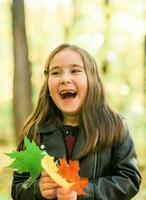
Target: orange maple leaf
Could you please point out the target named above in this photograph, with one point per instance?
(70, 173)
(80, 185)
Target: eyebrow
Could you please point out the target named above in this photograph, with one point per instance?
(54, 68)
(72, 65)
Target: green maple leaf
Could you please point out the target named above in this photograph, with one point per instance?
(28, 160)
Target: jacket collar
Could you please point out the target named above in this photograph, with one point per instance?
(49, 127)
(53, 126)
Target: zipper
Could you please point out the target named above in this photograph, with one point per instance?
(92, 192)
(95, 173)
(95, 166)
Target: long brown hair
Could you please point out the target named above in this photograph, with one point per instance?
(99, 124)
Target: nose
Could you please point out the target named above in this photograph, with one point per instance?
(65, 79)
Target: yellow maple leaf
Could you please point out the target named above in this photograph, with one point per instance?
(66, 175)
(51, 168)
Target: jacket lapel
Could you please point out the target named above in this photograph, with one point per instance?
(78, 144)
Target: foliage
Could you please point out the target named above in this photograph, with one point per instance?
(33, 160)
(28, 160)
(51, 168)
(64, 174)
(70, 172)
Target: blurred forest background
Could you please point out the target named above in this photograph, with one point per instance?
(114, 32)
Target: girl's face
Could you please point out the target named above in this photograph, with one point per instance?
(68, 82)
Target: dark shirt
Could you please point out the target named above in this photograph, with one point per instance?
(70, 135)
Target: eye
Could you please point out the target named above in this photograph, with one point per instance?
(55, 73)
(75, 71)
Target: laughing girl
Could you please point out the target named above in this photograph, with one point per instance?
(72, 119)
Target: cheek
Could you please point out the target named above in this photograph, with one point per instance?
(84, 86)
(51, 84)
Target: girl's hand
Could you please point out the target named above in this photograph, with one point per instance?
(47, 186)
(63, 194)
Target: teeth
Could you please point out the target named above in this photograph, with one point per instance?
(64, 92)
(68, 93)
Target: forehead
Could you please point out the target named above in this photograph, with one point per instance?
(66, 57)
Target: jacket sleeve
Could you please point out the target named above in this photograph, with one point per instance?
(124, 180)
(20, 190)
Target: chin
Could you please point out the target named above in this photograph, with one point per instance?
(70, 112)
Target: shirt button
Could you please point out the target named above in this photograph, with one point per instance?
(42, 146)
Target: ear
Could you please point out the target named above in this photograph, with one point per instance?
(46, 72)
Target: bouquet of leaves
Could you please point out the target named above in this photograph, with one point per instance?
(34, 161)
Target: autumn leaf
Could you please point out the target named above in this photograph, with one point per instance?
(79, 186)
(66, 175)
(51, 168)
(34, 160)
(28, 160)
(70, 172)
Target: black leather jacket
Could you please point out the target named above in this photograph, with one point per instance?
(112, 174)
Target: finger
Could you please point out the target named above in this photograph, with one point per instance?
(66, 197)
(63, 191)
(63, 194)
(46, 179)
(51, 194)
(46, 186)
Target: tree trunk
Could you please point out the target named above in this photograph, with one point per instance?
(22, 104)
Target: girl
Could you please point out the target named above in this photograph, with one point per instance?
(72, 118)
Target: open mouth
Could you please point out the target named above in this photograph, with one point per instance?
(68, 94)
